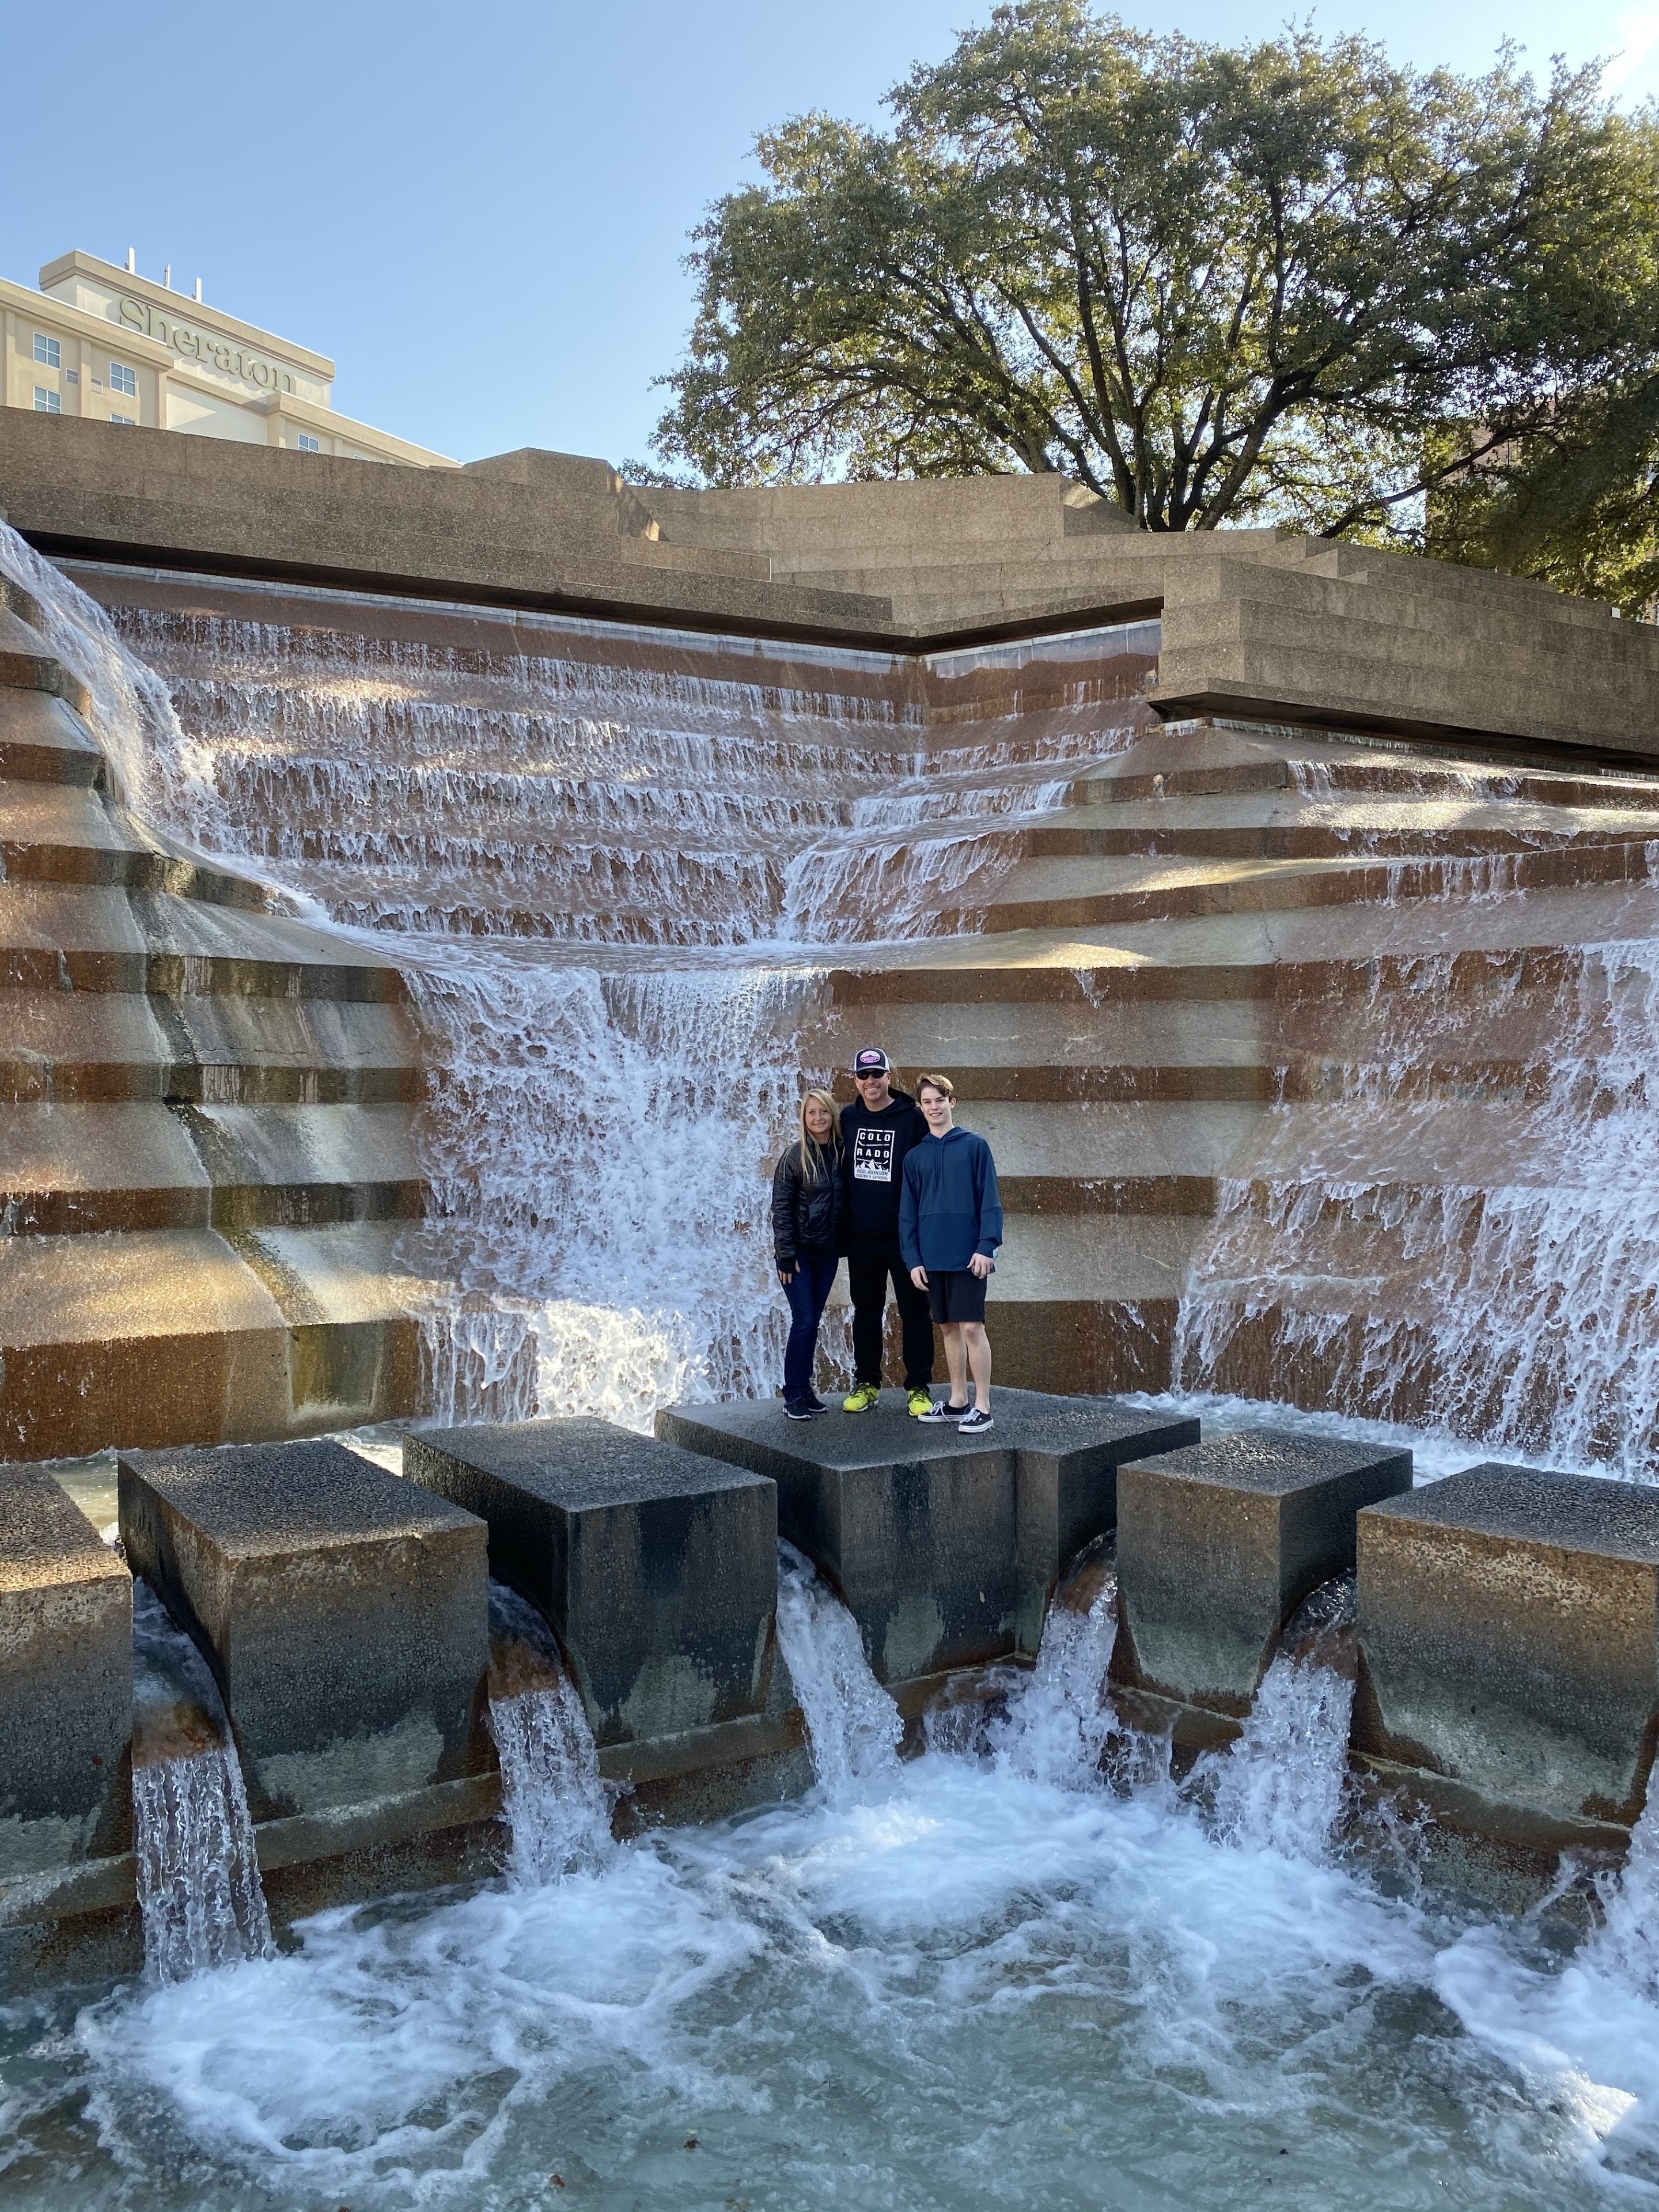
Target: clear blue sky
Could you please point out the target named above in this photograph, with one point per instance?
(481, 212)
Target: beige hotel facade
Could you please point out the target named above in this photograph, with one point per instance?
(101, 341)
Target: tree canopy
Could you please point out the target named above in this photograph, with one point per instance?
(1291, 282)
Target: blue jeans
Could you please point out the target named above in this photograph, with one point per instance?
(808, 1292)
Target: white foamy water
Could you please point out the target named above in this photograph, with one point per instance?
(1580, 2036)
(1057, 1724)
(1500, 1270)
(964, 1981)
(1280, 1787)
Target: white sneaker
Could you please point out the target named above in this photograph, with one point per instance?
(971, 1424)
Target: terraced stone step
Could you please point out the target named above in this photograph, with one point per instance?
(205, 1170)
(183, 1336)
(1495, 1019)
(1068, 894)
(1479, 949)
(1299, 838)
(71, 1168)
(232, 1049)
(27, 664)
(43, 741)
(60, 936)
(1159, 1159)
(1196, 762)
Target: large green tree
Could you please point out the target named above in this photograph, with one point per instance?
(1291, 282)
(1574, 503)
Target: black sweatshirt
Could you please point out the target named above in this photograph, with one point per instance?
(875, 1145)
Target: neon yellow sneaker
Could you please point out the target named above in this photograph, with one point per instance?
(866, 1395)
(918, 1403)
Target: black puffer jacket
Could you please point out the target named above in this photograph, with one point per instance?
(807, 1216)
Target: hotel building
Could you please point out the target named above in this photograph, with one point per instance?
(102, 341)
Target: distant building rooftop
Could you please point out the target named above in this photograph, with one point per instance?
(103, 342)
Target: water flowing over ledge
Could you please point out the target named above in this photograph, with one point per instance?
(200, 1892)
(988, 1975)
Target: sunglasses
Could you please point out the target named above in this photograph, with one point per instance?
(871, 1074)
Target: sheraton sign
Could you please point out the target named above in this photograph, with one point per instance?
(200, 345)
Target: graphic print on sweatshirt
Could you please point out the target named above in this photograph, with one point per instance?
(873, 1154)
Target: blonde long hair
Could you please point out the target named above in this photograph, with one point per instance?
(813, 1164)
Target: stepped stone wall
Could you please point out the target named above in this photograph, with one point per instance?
(1340, 937)
(200, 1116)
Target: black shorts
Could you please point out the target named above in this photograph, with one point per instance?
(955, 1294)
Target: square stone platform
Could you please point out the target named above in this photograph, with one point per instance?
(344, 1613)
(944, 1547)
(657, 1569)
(65, 1682)
(1219, 1544)
(1508, 1624)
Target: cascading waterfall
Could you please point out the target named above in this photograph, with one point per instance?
(610, 869)
(1280, 1786)
(199, 1893)
(1057, 1724)
(626, 845)
(1627, 1944)
(553, 1802)
(852, 1724)
(165, 781)
(552, 1799)
(634, 1274)
(996, 1962)
(1501, 1276)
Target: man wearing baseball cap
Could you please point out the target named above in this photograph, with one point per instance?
(877, 1131)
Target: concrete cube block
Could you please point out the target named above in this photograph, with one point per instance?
(344, 1613)
(1217, 1544)
(657, 1569)
(1509, 1625)
(1067, 1452)
(914, 1526)
(65, 1681)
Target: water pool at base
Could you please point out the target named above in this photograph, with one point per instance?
(979, 1978)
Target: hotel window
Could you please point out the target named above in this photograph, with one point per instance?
(131, 421)
(308, 444)
(46, 403)
(122, 379)
(48, 350)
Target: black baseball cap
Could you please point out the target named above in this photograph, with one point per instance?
(870, 1061)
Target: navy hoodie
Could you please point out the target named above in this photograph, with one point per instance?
(950, 1208)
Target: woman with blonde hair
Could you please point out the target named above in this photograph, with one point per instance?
(807, 1206)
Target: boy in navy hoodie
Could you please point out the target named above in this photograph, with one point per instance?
(950, 1227)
